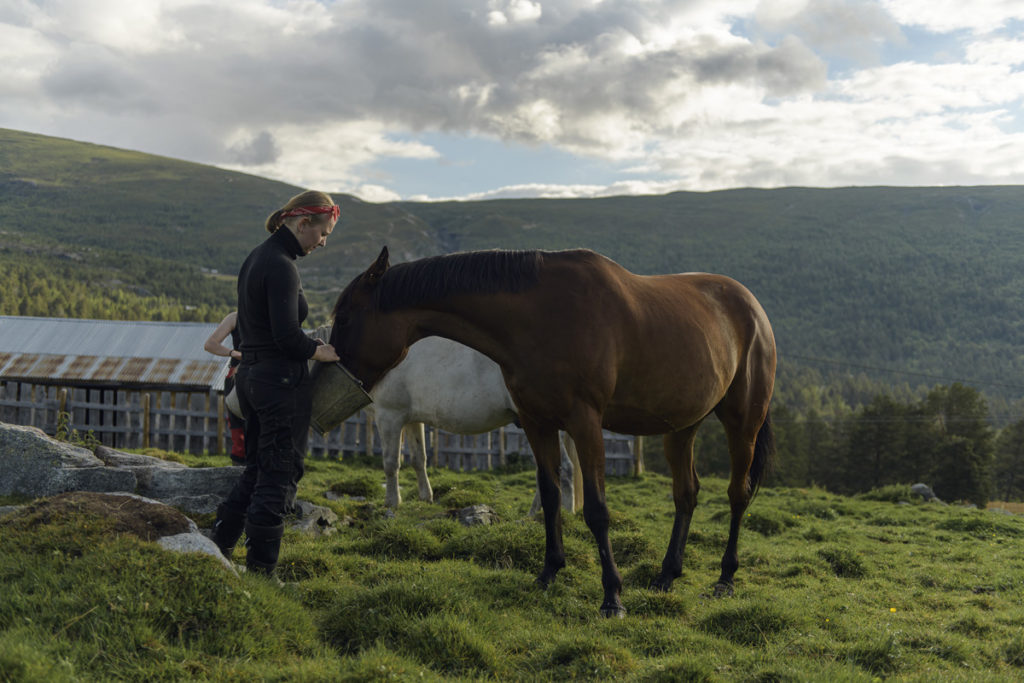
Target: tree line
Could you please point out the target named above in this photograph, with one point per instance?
(45, 285)
(944, 439)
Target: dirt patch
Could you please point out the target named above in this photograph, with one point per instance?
(1016, 508)
(121, 514)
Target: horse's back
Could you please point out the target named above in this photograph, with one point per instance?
(669, 347)
(446, 385)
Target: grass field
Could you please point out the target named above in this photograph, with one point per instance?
(829, 588)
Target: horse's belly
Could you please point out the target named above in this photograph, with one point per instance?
(641, 422)
(468, 420)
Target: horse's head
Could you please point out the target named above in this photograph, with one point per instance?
(369, 341)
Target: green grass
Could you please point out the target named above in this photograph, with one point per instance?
(829, 588)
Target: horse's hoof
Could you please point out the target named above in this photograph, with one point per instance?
(610, 611)
(723, 590)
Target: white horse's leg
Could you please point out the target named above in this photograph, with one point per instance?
(390, 429)
(571, 479)
(418, 450)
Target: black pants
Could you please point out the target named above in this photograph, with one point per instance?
(276, 399)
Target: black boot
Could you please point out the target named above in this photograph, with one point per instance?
(228, 529)
(263, 544)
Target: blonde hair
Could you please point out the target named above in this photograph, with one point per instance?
(308, 198)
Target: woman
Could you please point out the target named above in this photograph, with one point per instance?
(215, 345)
(272, 381)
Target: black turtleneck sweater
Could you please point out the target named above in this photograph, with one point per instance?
(271, 306)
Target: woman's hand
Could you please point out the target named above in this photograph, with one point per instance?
(325, 353)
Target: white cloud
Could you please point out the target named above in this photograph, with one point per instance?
(952, 15)
(556, 191)
(700, 94)
(326, 156)
(996, 51)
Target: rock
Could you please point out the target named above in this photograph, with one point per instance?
(34, 464)
(924, 491)
(8, 509)
(315, 520)
(331, 495)
(118, 459)
(194, 542)
(475, 514)
(166, 482)
(128, 513)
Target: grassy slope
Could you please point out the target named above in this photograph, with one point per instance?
(829, 588)
(118, 204)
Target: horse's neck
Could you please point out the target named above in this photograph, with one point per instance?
(471, 321)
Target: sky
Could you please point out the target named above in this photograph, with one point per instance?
(477, 99)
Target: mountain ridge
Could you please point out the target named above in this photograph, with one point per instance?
(920, 280)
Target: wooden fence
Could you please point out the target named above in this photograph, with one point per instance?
(195, 423)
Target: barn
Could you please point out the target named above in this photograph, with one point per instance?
(143, 384)
(133, 384)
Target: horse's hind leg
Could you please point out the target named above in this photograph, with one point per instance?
(685, 485)
(589, 440)
(742, 436)
(418, 448)
(544, 443)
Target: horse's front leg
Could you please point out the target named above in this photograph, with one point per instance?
(544, 443)
(586, 433)
(418, 449)
(390, 428)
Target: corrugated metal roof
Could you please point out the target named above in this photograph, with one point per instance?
(132, 354)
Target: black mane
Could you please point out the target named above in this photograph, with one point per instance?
(471, 272)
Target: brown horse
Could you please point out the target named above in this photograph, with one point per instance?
(585, 344)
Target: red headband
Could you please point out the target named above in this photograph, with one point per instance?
(334, 210)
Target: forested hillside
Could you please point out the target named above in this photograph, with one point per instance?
(869, 289)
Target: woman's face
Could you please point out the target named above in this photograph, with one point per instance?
(312, 233)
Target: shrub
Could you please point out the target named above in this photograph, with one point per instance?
(400, 540)
(464, 495)
(1012, 652)
(595, 659)
(844, 563)
(980, 526)
(892, 493)
(449, 645)
(360, 485)
(767, 522)
(880, 657)
(749, 625)
(630, 547)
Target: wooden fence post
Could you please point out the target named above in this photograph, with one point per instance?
(220, 424)
(368, 440)
(638, 456)
(502, 455)
(145, 419)
(436, 434)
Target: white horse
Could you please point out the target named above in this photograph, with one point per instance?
(444, 384)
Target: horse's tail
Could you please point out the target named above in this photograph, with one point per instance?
(764, 455)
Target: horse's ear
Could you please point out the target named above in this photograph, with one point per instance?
(379, 266)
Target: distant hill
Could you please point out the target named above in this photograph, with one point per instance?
(911, 286)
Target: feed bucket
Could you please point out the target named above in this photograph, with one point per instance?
(231, 401)
(337, 395)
